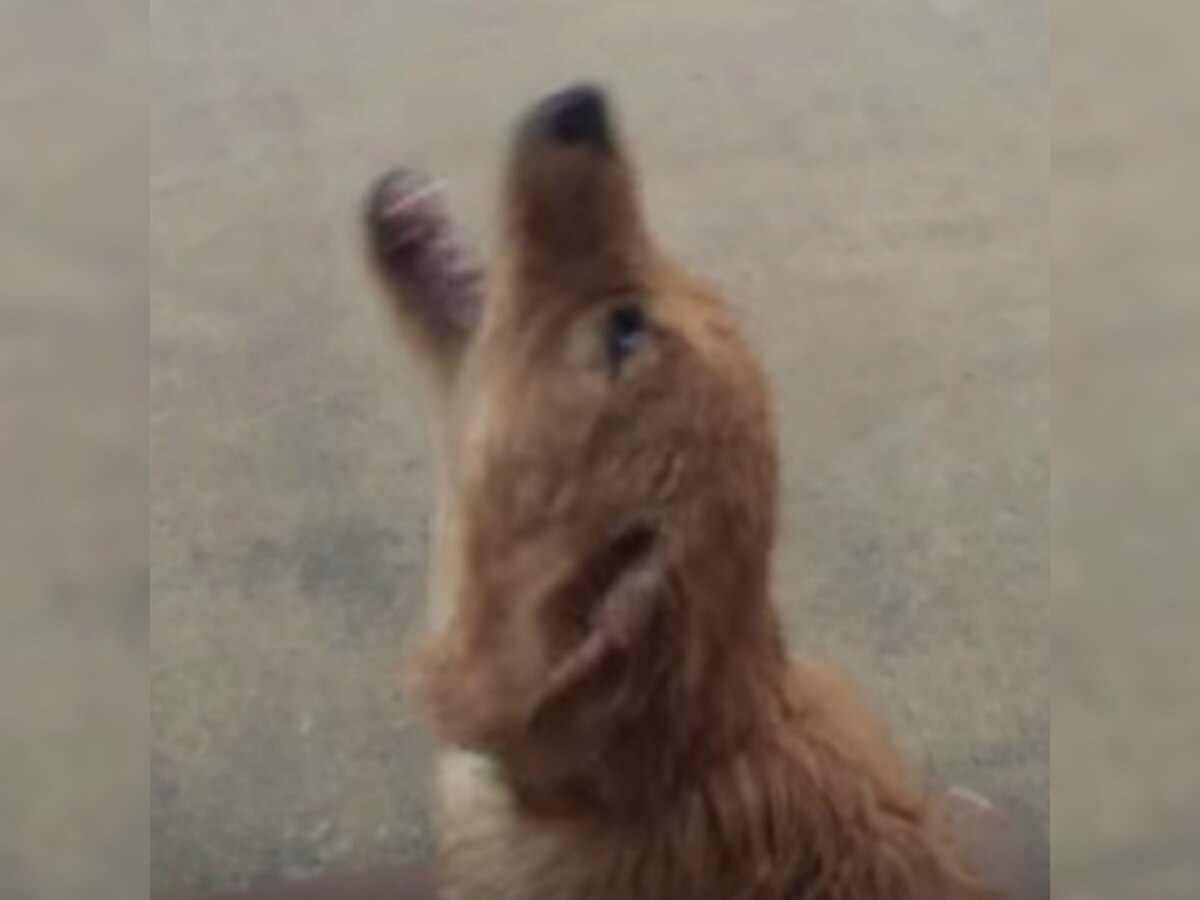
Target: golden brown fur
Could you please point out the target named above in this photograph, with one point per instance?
(607, 656)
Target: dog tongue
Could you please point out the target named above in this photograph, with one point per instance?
(420, 254)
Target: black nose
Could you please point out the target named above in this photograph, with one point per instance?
(575, 116)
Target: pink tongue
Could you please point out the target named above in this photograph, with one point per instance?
(419, 252)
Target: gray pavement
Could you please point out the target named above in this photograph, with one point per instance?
(866, 180)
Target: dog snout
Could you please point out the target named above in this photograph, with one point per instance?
(576, 116)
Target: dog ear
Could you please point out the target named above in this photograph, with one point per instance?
(603, 615)
(484, 690)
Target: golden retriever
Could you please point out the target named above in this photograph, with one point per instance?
(606, 663)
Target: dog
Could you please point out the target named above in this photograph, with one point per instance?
(605, 663)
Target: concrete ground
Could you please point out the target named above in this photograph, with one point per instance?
(867, 180)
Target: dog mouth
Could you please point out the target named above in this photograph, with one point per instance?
(420, 254)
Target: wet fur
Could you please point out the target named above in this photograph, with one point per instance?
(605, 655)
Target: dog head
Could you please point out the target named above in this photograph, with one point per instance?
(611, 464)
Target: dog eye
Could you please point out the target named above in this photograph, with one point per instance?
(625, 332)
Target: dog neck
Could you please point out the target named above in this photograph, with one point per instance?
(759, 777)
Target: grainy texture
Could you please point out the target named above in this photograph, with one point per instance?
(868, 184)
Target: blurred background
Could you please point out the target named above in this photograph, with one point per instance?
(870, 184)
